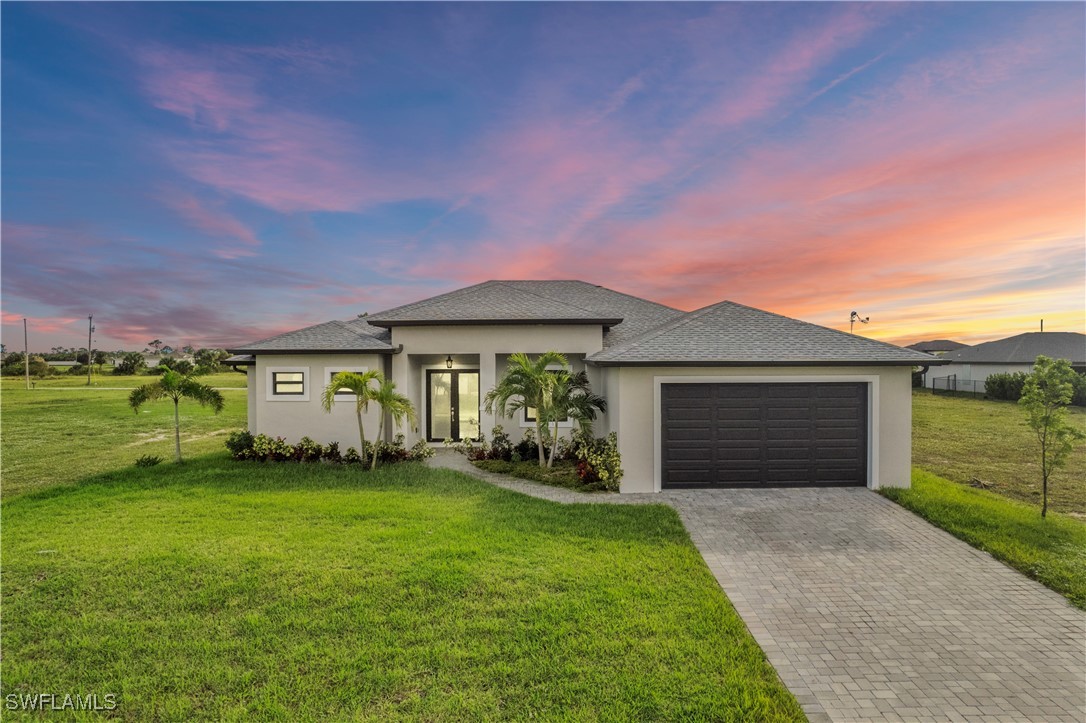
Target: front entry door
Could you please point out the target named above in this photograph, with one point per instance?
(452, 411)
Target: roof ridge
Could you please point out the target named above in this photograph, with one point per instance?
(507, 285)
(381, 313)
(835, 331)
(660, 329)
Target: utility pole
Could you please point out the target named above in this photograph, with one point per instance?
(90, 352)
(26, 355)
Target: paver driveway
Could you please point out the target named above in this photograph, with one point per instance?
(870, 613)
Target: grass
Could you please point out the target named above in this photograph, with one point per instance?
(233, 591)
(231, 380)
(1051, 551)
(965, 439)
(59, 436)
(562, 474)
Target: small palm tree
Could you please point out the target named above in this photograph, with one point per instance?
(572, 398)
(527, 383)
(394, 405)
(358, 384)
(176, 386)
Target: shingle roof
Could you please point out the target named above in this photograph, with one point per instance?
(732, 334)
(332, 336)
(497, 302)
(936, 345)
(1025, 348)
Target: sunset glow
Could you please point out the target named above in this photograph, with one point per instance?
(210, 174)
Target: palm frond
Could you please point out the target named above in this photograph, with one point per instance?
(144, 394)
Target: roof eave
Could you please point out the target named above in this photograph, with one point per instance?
(389, 323)
(254, 352)
(776, 363)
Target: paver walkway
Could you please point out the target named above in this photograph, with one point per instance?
(870, 613)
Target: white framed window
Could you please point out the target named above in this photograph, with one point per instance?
(330, 372)
(287, 384)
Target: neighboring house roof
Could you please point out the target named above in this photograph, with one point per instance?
(732, 334)
(935, 345)
(1025, 348)
(500, 302)
(332, 336)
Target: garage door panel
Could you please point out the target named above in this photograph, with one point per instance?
(744, 434)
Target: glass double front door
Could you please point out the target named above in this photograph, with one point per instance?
(453, 409)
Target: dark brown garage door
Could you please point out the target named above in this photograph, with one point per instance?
(746, 435)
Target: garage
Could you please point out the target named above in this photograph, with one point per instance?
(763, 434)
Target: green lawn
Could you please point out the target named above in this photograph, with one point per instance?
(226, 590)
(232, 380)
(59, 436)
(1051, 551)
(964, 439)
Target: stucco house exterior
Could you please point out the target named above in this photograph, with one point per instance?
(727, 395)
(1014, 354)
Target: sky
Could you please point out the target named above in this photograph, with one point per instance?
(215, 173)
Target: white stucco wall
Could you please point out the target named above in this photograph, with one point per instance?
(890, 423)
(976, 372)
(294, 418)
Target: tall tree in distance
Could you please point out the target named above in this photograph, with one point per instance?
(156, 344)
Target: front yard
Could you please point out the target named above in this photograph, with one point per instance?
(987, 444)
(223, 590)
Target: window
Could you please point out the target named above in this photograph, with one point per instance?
(330, 372)
(529, 412)
(288, 383)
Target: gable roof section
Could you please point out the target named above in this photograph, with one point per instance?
(1025, 348)
(730, 334)
(332, 336)
(937, 345)
(499, 302)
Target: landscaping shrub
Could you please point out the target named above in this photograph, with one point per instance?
(308, 451)
(240, 445)
(148, 460)
(78, 370)
(598, 462)
(1005, 386)
(1078, 393)
(332, 454)
(583, 462)
(262, 448)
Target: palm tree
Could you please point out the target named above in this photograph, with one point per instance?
(176, 386)
(394, 405)
(358, 384)
(572, 398)
(527, 383)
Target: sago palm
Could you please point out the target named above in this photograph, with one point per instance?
(392, 404)
(526, 383)
(176, 386)
(361, 385)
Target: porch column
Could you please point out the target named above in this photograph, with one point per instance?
(408, 385)
(487, 380)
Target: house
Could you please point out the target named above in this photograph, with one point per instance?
(937, 347)
(1014, 354)
(727, 395)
